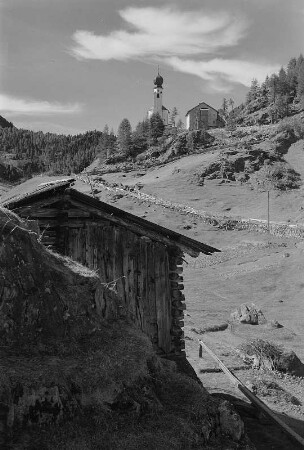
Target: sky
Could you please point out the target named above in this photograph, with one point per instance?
(68, 66)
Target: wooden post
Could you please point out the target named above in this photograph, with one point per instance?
(268, 212)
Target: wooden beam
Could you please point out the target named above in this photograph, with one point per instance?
(35, 206)
(253, 398)
(137, 229)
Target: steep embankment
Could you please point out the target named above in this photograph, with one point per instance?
(72, 365)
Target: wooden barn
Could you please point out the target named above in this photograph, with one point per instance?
(142, 258)
(203, 117)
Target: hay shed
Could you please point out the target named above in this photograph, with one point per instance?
(142, 259)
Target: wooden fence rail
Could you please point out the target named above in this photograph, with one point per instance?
(253, 398)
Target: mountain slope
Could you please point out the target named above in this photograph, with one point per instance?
(5, 123)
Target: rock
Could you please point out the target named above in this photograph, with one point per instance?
(230, 422)
(249, 314)
(289, 362)
(273, 324)
(117, 196)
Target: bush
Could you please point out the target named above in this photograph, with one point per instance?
(296, 125)
(278, 175)
(266, 353)
(284, 126)
(116, 158)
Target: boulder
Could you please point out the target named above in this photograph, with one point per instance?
(230, 422)
(249, 314)
(288, 362)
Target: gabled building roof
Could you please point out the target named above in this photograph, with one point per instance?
(49, 193)
(202, 103)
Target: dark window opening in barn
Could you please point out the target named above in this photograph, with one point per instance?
(157, 95)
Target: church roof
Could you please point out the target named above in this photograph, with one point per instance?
(164, 108)
(159, 81)
(200, 104)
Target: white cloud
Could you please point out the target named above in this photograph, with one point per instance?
(160, 32)
(180, 39)
(219, 71)
(10, 105)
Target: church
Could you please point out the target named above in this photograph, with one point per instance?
(158, 106)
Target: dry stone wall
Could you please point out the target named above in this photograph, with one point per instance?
(218, 220)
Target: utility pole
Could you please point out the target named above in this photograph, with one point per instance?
(268, 211)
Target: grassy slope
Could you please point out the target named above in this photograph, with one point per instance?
(112, 387)
(252, 267)
(250, 270)
(257, 268)
(175, 181)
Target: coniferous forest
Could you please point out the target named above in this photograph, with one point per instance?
(24, 153)
(280, 95)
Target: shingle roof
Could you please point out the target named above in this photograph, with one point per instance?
(112, 213)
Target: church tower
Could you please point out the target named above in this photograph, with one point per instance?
(158, 95)
(158, 107)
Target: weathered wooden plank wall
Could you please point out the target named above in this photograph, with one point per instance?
(147, 273)
(138, 266)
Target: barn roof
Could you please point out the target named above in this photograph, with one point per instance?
(46, 193)
(201, 103)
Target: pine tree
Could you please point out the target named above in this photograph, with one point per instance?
(253, 92)
(273, 88)
(281, 106)
(300, 87)
(300, 60)
(225, 107)
(111, 143)
(264, 92)
(124, 140)
(173, 115)
(231, 103)
(283, 88)
(140, 137)
(156, 128)
(291, 78)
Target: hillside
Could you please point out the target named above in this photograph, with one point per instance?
(252, 267)
(230, 174)
(5, 123)
(86, 380)
(24, 153)
(98, 379)
(249, 262)
(279, 95)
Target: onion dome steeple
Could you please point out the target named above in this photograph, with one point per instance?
(159, 80)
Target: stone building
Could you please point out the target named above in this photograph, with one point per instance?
(203, 117)
(158, 107)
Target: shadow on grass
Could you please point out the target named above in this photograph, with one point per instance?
(261, 430)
